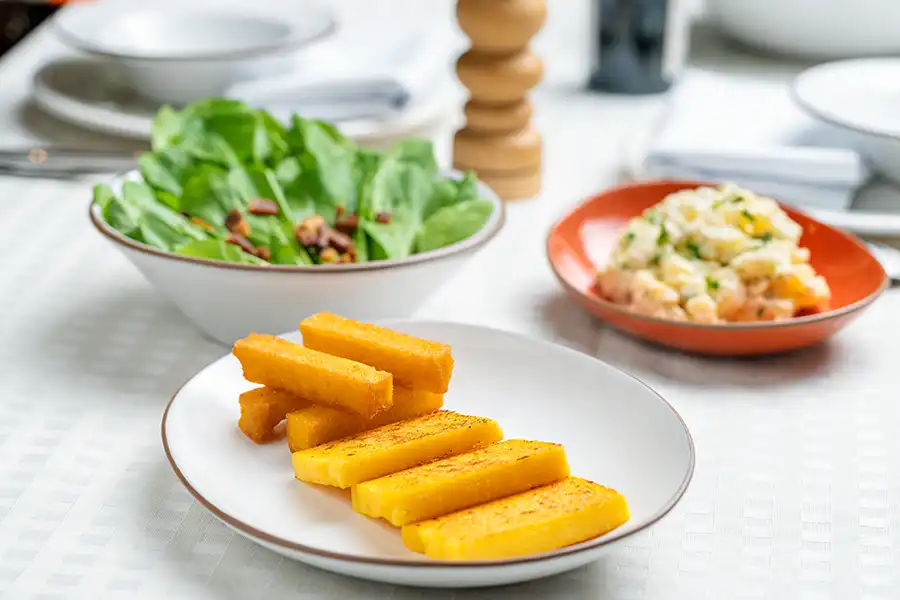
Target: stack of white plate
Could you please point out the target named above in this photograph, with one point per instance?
(141, 56)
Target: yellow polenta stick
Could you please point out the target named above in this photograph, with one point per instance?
(445, 486)
(394, 447)
(317, 377)
(413, 361)
(315, 425)
(262, 409)
(560, 514)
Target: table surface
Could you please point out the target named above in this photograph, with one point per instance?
(796, 493)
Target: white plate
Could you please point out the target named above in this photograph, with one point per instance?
(109, 106)
(616, 430)
(861, 96)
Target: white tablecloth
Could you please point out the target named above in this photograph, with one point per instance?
(797, 488)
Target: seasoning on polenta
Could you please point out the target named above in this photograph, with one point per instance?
(543, 519)
(394, 447)
(314, 425)
(445, 486)
(262, 409)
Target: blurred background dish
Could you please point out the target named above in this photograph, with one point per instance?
(861, 97)
(581, 242)
(811, 28)
(176, 53)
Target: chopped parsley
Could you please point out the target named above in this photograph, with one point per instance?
(746, 214)
(663, 238)
(711, 283)
(627, 239)
(765, 237)
(760, 311)
(693, 249)
(654, 261)
(737, 198)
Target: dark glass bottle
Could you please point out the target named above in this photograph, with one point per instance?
(632, 51)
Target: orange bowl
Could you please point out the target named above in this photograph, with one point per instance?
(581, 242)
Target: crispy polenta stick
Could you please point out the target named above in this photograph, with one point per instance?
(394, 447)
(315, 425)
(445, 486)
(262, 409)
(560, 514)
(315, 376)
(414, 362)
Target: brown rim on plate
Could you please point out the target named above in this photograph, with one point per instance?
(471, 243)
(429, 563)
(823, 316)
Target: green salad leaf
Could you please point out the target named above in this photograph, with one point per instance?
(225, 181)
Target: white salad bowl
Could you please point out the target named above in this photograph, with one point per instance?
(228, 301)
(172, 53)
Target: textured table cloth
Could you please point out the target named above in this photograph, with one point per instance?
(796, 493)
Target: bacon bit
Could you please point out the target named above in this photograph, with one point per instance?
(383, 218)
(314, 223)
(262, 206)
(241, 242)
(328, 255)
(263, 253)
(346, 258)
(339, 212)
(340, 242)
(236, 223)
(306, 237)
(347, 224)
(200, 222)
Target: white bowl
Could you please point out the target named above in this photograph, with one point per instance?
(616, 431)
(227, 301)
(860, 96)
(811, 28)
(176, 54)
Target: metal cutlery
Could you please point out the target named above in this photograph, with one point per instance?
(63, 162)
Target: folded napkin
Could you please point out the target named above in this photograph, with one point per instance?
(372, 69)
(750, 132)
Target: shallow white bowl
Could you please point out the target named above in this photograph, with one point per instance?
(862, 96)
(811, 28)
(616, 431)
(176, 54)
(227, 301)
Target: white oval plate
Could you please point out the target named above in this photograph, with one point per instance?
(109, 106)
(616, 431)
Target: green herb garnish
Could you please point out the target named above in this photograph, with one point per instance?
(654, 260)
(693, 249)
(760, 311)
(746, 214)
(663, 237)
(215, 157)
(765, 237)
(711, 283)
(627, 239)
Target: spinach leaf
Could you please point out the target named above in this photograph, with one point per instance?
(218, 250)
(120, 216)
(166, 171)
(447, 191)
(167, 125)
(415, 151)
(327, 164)
(452, 224)
(399, 190)
(158, 225)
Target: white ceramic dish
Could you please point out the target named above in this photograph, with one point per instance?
(616, 431)
(227, 301)
(174, 53)
(110, 106)
(861, 96)
(811, 28)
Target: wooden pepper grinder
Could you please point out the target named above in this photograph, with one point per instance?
(499, 142)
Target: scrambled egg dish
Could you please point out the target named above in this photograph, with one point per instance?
(713, 255)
